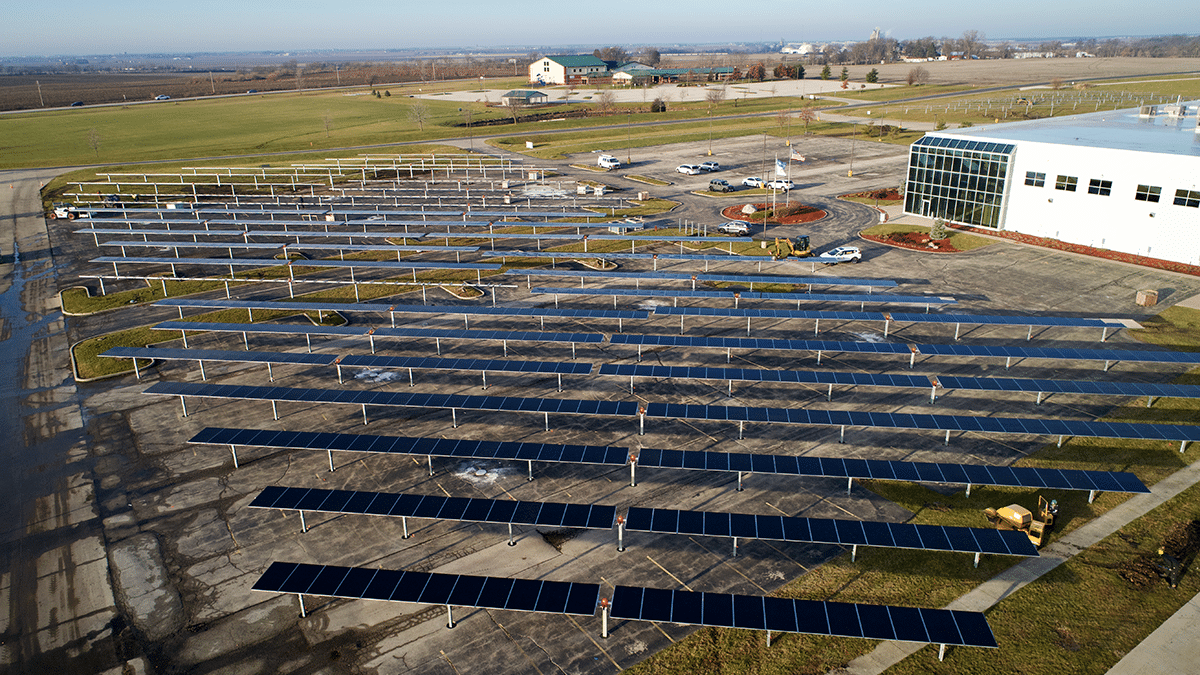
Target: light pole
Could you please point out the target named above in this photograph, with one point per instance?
(710, 132)
(628, 137)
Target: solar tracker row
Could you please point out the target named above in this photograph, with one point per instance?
(1146, 356)
(727, 257)
(1069, 386)
(500, 235)
(491, 365)
(220, 355)
(411, 309)
(774, 279)
(658, 237)
(917, 472)
(833, 467)
(1128, 355)
(400, 445)
(1001, 425)
(745, 312)
(831, 531)
(386, 398)
(281, 245)
(761, 343)
(431, 588)
(515, 336)
(874, 298)
(436, 507)
(269, 262)
(1005, 320)
(759, 375)
(815, 617)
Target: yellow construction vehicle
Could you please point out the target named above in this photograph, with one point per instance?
(1017, 517)
(785, 247)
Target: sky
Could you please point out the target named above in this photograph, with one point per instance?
(141, 27)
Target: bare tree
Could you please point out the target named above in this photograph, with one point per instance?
(1056, 83)
(917, 75)
(606, 101)
(782, 118)
(418, 113)
(971, 43)
(808, 115)
(328, 123)
(93, 140)
(515, 106)
(714, 95)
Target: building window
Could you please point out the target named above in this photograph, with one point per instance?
(1187, 198)
(1100, 187)
(963, 183)
(1148, 193)
(1035, 179)
(1067, 183)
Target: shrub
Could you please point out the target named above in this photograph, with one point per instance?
(658, 105)
(937, 231)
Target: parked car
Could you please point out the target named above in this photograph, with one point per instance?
(718, 185)
(688, 169)
(608, 162)
(784, 185)
(77, 104)
(734, 227)
(753, 181)
(251, 91)
(710, 166)
(162, 97)
(841, 254)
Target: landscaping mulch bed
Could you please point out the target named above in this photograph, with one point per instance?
(792, 214)
(886, 195)
(916, 241)
(1046, 242)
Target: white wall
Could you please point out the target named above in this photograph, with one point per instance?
(1117, 222)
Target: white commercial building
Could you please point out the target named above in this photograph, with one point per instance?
(1124, 180)
(572, 69)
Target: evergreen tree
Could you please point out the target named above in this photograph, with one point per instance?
(826, 73)
(873, 76)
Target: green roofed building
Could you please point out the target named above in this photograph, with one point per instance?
(573, 69)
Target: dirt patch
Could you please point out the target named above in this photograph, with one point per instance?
(1181, 542)
(792, 214)
(916, 241)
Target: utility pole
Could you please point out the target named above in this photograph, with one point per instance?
(337, 72)
(628, 137)
(39, 84)
(212, 83)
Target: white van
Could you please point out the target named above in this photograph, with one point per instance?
(608, 162)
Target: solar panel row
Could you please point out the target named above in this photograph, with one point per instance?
(385, 398)
(493, 365)
(874, 298)
(768, 313)
(759, 375)
(437, 447)
(270, 262)
(831, 531)
(401, 309)
(461, 590)
(515, 336)
(918, 472)
(765, 279)
(879, 622)
(761, 343)
(436, 507)
(1003, 425)
(220, 355)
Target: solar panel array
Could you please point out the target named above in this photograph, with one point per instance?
(460, 590)
(273, 246)
(874, 298)
(1146, 356)
(436, 507)
(272, 262)
(399, 445)
(759, 375)
(1005, 320)
(397, 399)
(1069, 386)
(737, 278)
(489, 365)
(831, 531)
(725, 257)
(873, 469)
(745, 312)
(220, 355)
(515, 336)
(999, 425)
(403, 309)
(815, 617)
(762, 343)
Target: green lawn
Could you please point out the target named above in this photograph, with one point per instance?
(960, 240)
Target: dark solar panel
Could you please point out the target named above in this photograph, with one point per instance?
(940, 626)
(549, 514)
(493, 365)
(873, 298)
(767, 313)
(438, 447)
(557, 597)
(402, 309)
(757, 375)
(980, 319)
(831, 531)
(761, 343)
(735, 278)
(220, 355)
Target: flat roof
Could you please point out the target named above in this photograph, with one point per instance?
(1114, 129)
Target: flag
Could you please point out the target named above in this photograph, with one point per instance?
(797, 156)
(780, 169)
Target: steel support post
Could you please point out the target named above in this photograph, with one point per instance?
(853, 552)
(1091, 496)
(739, 487)
(511, 541)
(303, 525)
(183, 402)
(404, 525)
(530, 477)
(233, 451)
(274, 410)
(978, 555)
(450, 617)
(364, 411)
